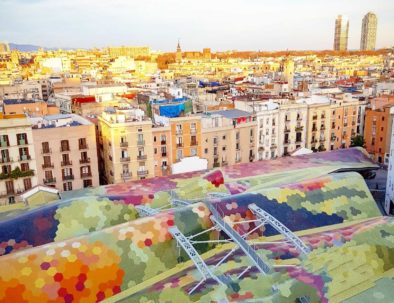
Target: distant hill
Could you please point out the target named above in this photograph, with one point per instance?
(31, 47)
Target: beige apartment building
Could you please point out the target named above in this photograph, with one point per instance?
(66, 152)
(318, 122)
(126, 144)
(228, 137)
(17, 158)
(345, 118)
(185, 137)
(292, 127)
(162, 143)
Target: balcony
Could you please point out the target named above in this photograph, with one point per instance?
(125, 159)
(179, 145)
(48, 165)
(164, 154)
(67, 178)
(64, 149)
(142, 173)
(4, 144)
(193, 131)
(5, 160)
(224, 163)
(84, 161)
(322, 117)
(126, 175)
(314, 117)
(49, 180)
(273, 146)
(22, 142)
(299, 118)
(237, 160)
(298, 140)
(314, 129)
(141, 142)
(124, 144)
(163, 142)
(287, 130)
(24, 157)
(286, 142)
(322, 139)
(179, 132)
(46, 151)
(141, 157)
(299, 128)
(313, 141)
(193, 143)
(322, 127)
(83, 146)
(86, 175)
(66, 163)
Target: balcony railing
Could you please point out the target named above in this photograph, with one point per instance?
(193, 143)
(64, 149)
(5, 160)
(286, 142)
(124, 144)
(84, 161)
(287, 130)
(125, 159)
(164, 154)
(83, 146)
(314, 129)
(46, 151)
(4, 144)
(141, 157)
(314, 117)
(49, 180)
(69, 177)
(126, 175)
(142, 173)
(24, 157)
(141, 142)
(66, 163)
(163, 142)
(48, 165)
(22, 142)
(179, 144)
(322, 127)
(299, 128)
(86, 175)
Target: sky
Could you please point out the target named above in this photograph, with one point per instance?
(219, 24)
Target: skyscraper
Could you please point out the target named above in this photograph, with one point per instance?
(368, 32)
(341, 33)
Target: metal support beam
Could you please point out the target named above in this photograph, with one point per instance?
(287, 233)
(237, 238)
(201, 266)
(145, 211)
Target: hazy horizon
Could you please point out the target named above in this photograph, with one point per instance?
(221, 25)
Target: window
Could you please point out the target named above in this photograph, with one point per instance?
(164, 151)
(224, 137)
(82, 143)
(67, 186)
(27, 183)
(223, 148)
(22, 139)
(179, 154)
(25, 167)
(45, 147)
(6, 169)
(179, 128)
(154, 139)
(206, 150)
(64, 145)
(87, 183)
(193, 152)
(140, 138)
(163, 139)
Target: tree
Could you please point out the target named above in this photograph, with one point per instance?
(357, 141)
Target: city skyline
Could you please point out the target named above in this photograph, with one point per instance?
(305, 25)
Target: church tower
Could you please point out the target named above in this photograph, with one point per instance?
(178, 56)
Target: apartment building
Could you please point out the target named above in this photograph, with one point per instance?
(28, 107)
(66, 152)
(389, 199)
(318, 122)
(17, 158)
(162, 150)
(126, 144)
(377, 133)
(345, 119)
(292, 127)
(228, 137)
(185, 137)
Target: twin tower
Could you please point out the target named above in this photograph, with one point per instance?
(368, 32)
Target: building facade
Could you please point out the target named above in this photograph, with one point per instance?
(66, 152)
(389, 199)
(126, 145)
(368, 32)
(17, 158)
(341, 33)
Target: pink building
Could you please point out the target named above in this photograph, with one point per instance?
(66, 151)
